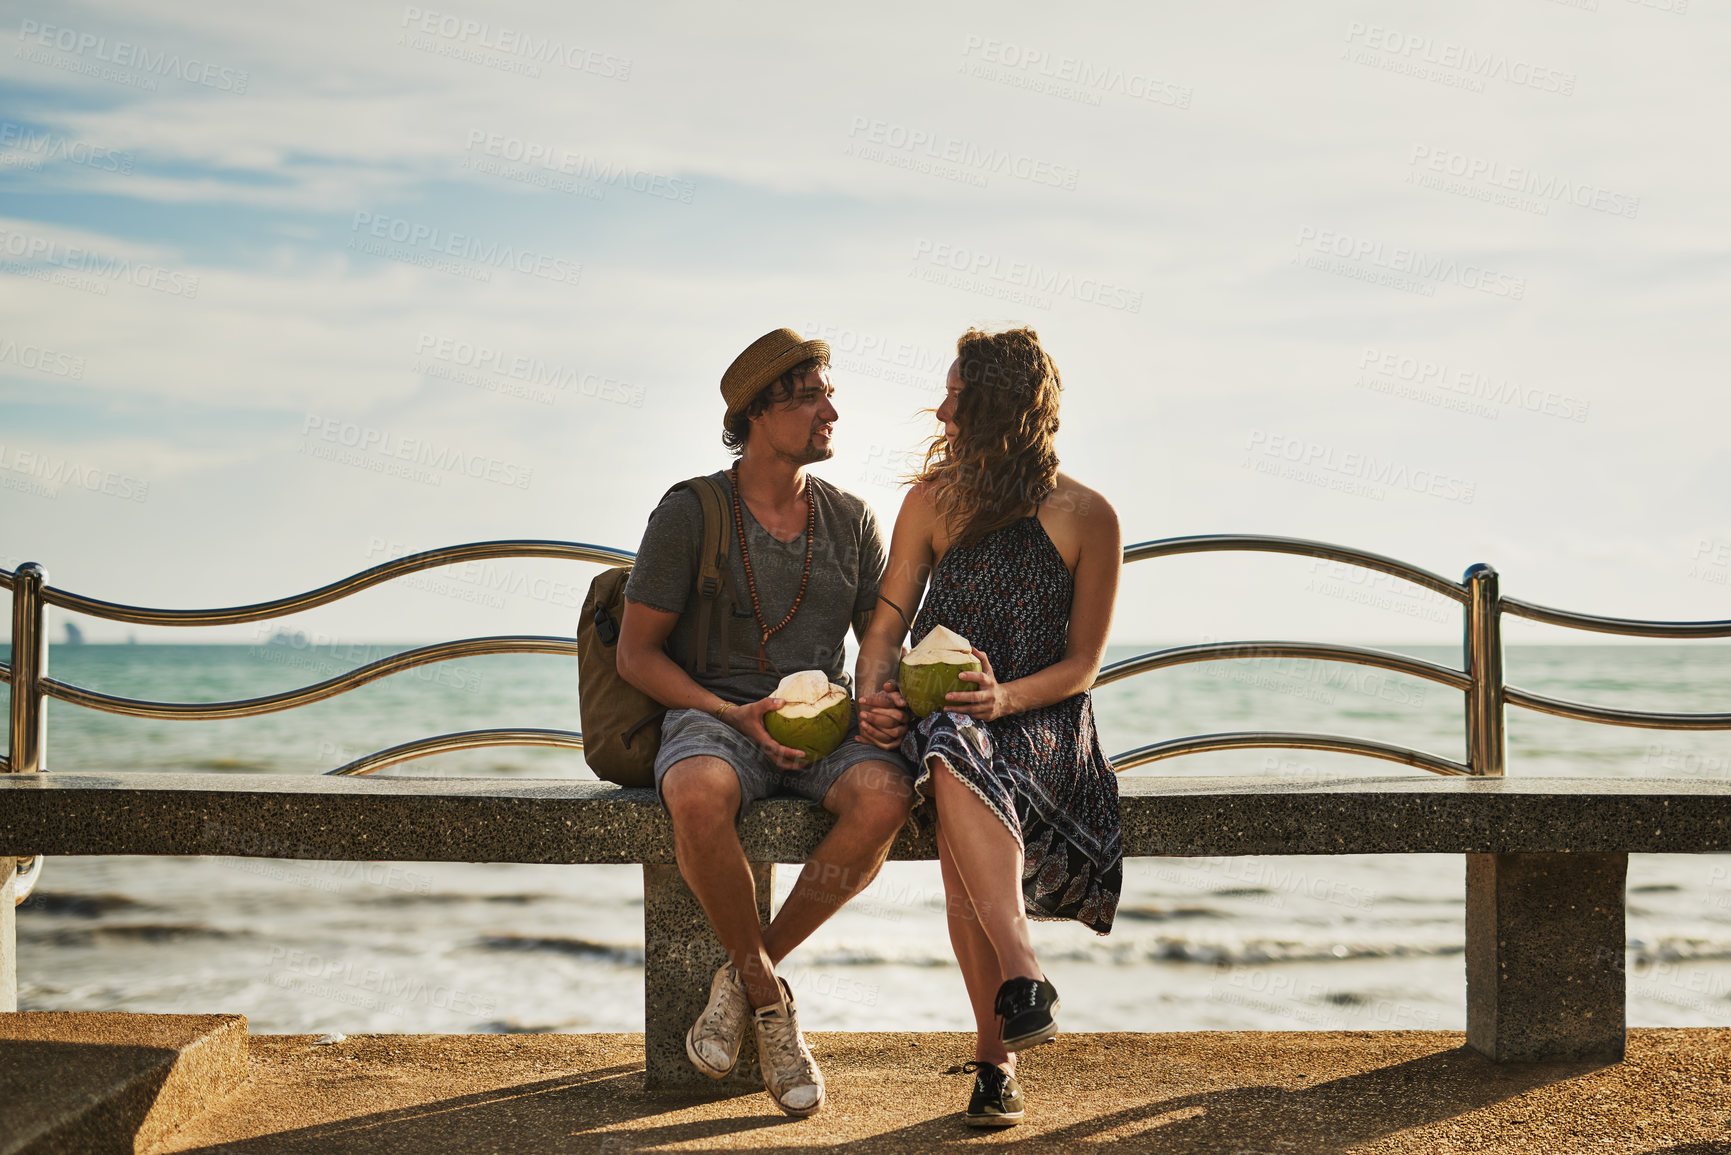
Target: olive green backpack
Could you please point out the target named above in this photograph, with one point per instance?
(622, 724)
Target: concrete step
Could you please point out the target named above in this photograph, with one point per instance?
(88, 1083)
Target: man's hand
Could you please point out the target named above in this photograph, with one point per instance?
(883, 718)
(748, 720)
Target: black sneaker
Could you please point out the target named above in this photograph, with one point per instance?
(1027, 1006)
(997, 1097)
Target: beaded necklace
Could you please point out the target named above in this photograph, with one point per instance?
(764, 628)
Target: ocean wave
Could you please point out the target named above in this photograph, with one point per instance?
(71, 905)
(447, 898)
(1669, 950)
(1168, 914)
(874, 955)
(1255, 952)
(1133, 951)
(153, 932)
(618, 954)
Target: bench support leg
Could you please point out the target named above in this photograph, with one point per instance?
(1544, 956)
(8, 935)
(680, 955)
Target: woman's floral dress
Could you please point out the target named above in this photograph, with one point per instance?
(1041, 771)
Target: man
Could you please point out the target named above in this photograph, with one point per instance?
(805, 562)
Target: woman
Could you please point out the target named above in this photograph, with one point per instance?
(1023, 562)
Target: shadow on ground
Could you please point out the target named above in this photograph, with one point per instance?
(1156, 1093)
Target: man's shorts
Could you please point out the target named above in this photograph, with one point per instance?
(695, 733)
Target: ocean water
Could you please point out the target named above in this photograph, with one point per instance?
(1357, 942)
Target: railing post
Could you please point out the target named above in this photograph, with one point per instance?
(1483, 661)
(29, 666)
(27, 731)
(1544, 932)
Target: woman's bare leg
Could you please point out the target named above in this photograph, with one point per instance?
(988, 861)
(979, 962)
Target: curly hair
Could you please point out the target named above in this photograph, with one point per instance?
(735, 430)
(1002, 463)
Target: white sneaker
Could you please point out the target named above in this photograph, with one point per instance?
(712, 1044)
(790, 1074)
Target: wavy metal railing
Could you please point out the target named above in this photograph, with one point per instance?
(27, 673)
(1287, 740)
(1301, 546)
(1487, 694)
(1629, 626)
(329, 688)
(1480, 679)
(324, 595)
(462, 740)
(1213, 651)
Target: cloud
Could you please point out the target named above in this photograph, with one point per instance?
(1273, 199)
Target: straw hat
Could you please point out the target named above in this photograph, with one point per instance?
(763, 361)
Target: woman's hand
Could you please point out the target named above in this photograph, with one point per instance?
(883, 718)
(990, 701)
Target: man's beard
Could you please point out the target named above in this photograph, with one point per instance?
(811, 454)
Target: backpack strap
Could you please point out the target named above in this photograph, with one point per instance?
(714, 576)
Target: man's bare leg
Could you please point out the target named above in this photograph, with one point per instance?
(870, 802)
(702, 797)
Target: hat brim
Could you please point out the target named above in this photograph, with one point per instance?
(768, 374)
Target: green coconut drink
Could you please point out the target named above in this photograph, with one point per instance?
(814, 715)
(934, 668)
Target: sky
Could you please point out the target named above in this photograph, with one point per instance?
(290, 290)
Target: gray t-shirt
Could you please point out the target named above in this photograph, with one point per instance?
(847, 562)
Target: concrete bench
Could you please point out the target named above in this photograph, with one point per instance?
(1546, 861)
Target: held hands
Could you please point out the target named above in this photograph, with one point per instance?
(748, 720)
(883, 718)
(990, 700)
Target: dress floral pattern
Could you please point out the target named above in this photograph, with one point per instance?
(1041, 771)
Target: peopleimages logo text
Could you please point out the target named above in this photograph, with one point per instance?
(1089, 77)
(575, 164)
(1364, 468)
(1412, 262)
(1423, 373)
(39, 250)
(465, 247)
(1524, 179)
(1025, 275)
(516, 42)
(63, 473)
(30, 356)
(1470, 62)
(122, 54)
(388, 446)
(43, 145)
(874, 347)
(531, 370)
(953, 150)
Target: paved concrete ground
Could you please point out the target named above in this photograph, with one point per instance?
(1283, 1093)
